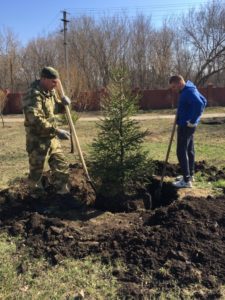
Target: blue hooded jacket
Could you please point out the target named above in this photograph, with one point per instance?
(191, 105)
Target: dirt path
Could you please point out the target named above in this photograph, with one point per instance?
(91, 117)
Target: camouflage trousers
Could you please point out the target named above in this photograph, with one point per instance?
(42, 151)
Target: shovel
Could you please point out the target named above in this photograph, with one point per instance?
(158, 192)
(75, 137)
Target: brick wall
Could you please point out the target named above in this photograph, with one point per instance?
(13, 104)
(150, 99)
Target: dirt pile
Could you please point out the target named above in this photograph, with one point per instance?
(213, 121)
(183, 242)
(180, 244)
(210, 173)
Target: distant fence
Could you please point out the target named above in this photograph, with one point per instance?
(150, 99)
(13, 103)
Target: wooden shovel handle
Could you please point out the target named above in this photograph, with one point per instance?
(73, 131)
(168, 150)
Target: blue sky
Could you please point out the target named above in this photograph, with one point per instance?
(29, 19)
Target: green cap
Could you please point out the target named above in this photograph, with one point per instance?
(50, 73)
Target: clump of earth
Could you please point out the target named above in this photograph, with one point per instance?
(178, 241)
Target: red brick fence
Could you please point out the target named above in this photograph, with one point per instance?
(150, 99)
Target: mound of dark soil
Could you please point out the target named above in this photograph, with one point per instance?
(210, 173)
(183, 242)
(213, 121)
(180, 243)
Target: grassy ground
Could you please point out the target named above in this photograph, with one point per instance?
(216, 109)
(41, 281)
(209, 142)
(23, 278)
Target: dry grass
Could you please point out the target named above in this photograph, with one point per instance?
(209, 141)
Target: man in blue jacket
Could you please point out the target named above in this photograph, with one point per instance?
(191, 105)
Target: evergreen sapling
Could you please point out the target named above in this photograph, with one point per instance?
(119, 163)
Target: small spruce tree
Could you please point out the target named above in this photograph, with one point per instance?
(118, 161)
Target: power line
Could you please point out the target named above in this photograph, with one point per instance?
(156, 11)
(144, 6)
(54, 19)
(156, 7)
(65, 23)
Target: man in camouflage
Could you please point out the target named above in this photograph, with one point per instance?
(42, 134)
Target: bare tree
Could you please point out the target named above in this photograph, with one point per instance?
(38, 53)
(3, 98)
(183, 60)
(97, 46)
(109, 45)
(9, 58)
(163, 55)
(79, 36)
(192, 44)
(205, 34)
(141, 51)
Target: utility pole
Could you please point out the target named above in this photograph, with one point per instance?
(67, 84)
(65, 21)
(11, 73)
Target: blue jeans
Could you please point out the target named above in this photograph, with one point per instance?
(186, 151)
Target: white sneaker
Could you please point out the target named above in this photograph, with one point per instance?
(180, 177)
(182, 184)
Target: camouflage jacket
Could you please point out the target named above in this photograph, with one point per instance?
(39, 110)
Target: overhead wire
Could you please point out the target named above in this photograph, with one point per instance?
(156, 11)
(54, 20)
(155, 7)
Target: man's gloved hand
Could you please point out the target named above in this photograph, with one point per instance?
(66, 100)
(189, 124)
(62, 134)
